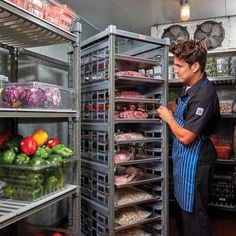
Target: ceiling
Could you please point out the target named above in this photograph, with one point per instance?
(139, 15)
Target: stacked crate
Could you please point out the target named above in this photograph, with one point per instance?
(143, 60)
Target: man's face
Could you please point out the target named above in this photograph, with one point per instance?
(183, 70)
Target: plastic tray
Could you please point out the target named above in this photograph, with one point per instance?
(37, 95)
(33, 183)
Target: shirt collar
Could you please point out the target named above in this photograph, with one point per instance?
(191, 91)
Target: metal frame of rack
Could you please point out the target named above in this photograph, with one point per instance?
(99, 61)
(21, 29)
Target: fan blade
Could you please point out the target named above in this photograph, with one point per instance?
(206, 27)
(217, 30)
(200, 35)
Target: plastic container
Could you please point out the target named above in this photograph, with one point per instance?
(35, 7)
(58, 14)
(52, 11)
(34, 95)
(226, 106)
(223, 150)
(32, 183)
(19, 3)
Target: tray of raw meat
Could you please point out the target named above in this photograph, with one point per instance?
(131, 176)
(127, 157)
(133, 96)
(133, 137)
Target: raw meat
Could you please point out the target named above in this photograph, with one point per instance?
(123, 155)
(132, 232)
(132, 115)
(129, 94)
(128, 136)
(130, 215)
(131, 73)
(130, 195)
(127, 175)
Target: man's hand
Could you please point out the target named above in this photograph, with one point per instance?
(165, 114)
(183, 135)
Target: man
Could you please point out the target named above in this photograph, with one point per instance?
(195, 117)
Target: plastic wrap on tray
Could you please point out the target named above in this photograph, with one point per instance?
(132, 232)
(130, 195)
(36, 95)
(32, 183)
(130, 215)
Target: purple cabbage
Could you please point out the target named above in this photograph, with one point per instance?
(11, 96)
(32, 97)
(52, 97)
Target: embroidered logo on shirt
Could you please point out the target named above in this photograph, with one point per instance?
(199, 111)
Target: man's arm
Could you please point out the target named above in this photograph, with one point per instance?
(183, 135)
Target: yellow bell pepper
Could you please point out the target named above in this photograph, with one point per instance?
(40, 137)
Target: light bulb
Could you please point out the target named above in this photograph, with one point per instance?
(184, 11)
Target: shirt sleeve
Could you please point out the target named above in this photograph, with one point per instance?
(198, 115)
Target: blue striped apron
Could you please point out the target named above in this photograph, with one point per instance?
(185, 159)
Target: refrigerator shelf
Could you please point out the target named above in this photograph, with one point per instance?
(14, 210)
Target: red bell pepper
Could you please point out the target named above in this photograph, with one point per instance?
(52, 142)
(4, 138)
(28, 146)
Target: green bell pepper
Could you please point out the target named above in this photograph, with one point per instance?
(35, 180)
(37, 161)
(60, 183)
(43, 152)
(21, 160)
(51, 183)
(7, 157)
(55, 159)
(62, 150)
(8, 192)
(58, 172)
(12, 145)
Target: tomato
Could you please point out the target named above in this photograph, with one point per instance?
(39, 234)
(56, 234)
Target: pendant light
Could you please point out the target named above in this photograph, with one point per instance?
(184, 10)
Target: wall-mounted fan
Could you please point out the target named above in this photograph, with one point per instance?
(176, 34)
(211, 33)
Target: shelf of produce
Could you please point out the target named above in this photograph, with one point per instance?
(215, 80)
(36, 113)
(20, 28)
(12, 210)
(150, 219)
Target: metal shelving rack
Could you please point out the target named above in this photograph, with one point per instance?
(21, 29)
(101, 57)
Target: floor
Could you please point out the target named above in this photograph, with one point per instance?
(224, 225)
